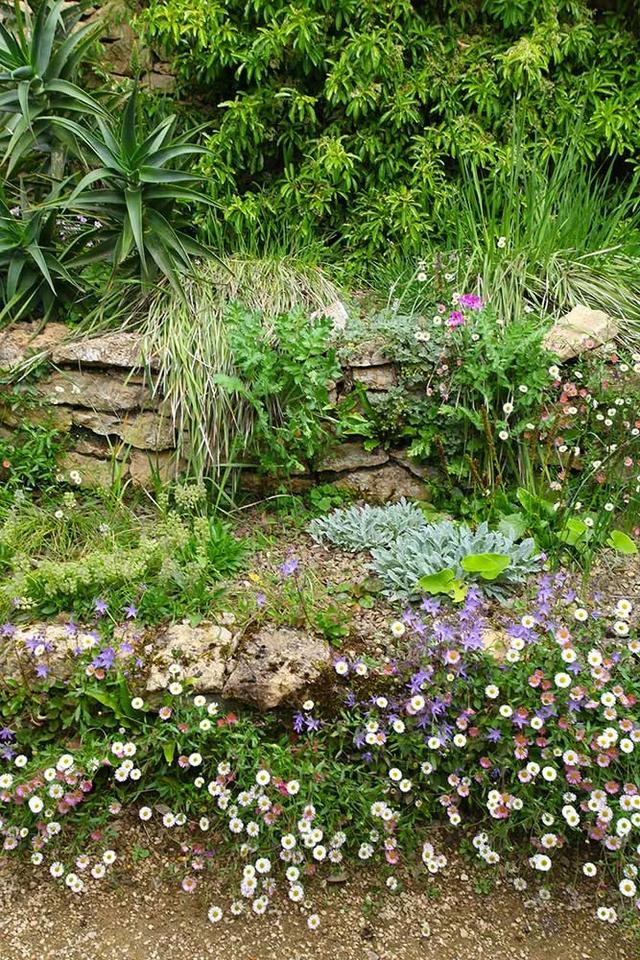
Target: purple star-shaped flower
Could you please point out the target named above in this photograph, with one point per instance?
(289, 567)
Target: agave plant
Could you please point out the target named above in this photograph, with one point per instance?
(133, 192)
(39, 57)
(29, 265)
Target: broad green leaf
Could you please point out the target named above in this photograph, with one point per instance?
(534, 504)
(487, 565)
(573, 531)
(513, 525)
(622, 542)
(444, 581)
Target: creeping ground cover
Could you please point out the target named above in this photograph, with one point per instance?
(319, 476)
(529, 755)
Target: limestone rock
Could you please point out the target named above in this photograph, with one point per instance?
(383, 484)
(147, 431)
(120, 348)
(275, 665)
(382, 377)
(160, 82)
(335, 311)
(93, 446)
(146, 465)
(91, 471)
(579, 330)
(420, 470)
(24, 339)
(122, 51)
(495, 642)
(202, 650)
(56, 418)
(352, 456)
(369, 353)
(59, 643)
(262, 485)
(97, 391)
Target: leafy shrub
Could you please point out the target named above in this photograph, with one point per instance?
(484, 403)
(125, 205)
(40, 57)
(547, 234)
(136, 224)
(28, 458)
(346, 119)
(359, 528)
(284, 365)
(32, 272)
(187, 331)
(445, 545)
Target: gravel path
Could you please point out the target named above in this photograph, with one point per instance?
(143, 915)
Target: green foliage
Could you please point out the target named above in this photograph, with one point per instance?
(138, 189)
(466, 393)
(373, 755)
(39, 59)
(545, 234)
(411, 554)
(443, 582)
(31, 270)
(188, 330)
(622, 542)
(284, 366)
(490, 556)
(347, 119)
(488, 566)
(120, 177)
(28, 459)
(63, 554)
(359, 528)
(510, 436)
(325, 496)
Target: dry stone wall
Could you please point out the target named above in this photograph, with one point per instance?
(97, 392)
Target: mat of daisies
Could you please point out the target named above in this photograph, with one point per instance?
(531, 759)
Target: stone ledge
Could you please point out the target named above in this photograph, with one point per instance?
(95, 391)
(119, 348)
(351, 456)
(22, 340)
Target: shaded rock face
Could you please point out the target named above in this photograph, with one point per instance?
(146, 431)
(351, 456)
(580, 330)
(275, 665)
(376, 378)
(89, 471)
(384, 484)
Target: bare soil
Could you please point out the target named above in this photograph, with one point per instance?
(142, 914)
